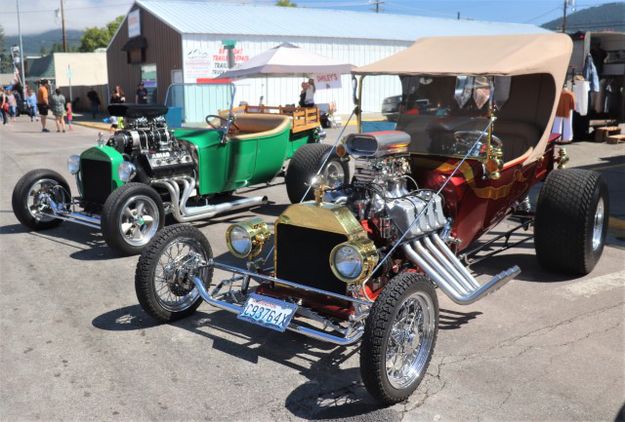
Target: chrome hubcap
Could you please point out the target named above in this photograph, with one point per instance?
(410, 341)
(597, 230)
(175, 290)
(39, 196)
(334, 174)
(139, 220)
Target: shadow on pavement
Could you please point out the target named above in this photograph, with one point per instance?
(531, 270)
(452, 320)
(330, 392)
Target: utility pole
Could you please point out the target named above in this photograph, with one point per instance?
(19, 31)
(458, 15)
(377, 4)
(63, 28)
(566, 3)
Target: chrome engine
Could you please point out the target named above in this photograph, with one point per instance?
(383, 192)
(152, 147)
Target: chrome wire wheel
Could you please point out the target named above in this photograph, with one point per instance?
(598, 222)
(139, 220)
(334, 174)
(39, 193)
(410, 340)
(174, 287)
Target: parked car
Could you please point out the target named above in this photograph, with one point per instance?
(362, 262)
(128, 183)
(393, 106)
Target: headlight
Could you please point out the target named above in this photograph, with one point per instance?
(73, 164)
(246, 239)
(126, 171)
(353, 261)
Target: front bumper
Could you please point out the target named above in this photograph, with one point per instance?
(226, 300)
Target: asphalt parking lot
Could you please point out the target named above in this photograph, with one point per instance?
(75, 345)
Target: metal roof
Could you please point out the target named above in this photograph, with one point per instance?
(204, 17)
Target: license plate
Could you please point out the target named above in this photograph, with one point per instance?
(268, 312)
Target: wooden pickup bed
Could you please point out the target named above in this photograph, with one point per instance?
(303, 118)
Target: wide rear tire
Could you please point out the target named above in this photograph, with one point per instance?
(164, 293)
(571, 221)
(27, 193)
(304, 166)
(131, 217)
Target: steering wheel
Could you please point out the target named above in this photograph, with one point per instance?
(224, 120)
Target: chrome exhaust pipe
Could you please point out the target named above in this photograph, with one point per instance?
(184, 214)
(444, 272)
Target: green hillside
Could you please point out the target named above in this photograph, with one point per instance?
(607, 17)
(34, 43)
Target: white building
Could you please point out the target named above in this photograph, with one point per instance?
(189, 41)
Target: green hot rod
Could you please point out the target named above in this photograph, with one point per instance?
(128, 183)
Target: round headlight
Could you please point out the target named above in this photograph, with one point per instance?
(73, 164)
(347, 262)
(353, 261)
(126, 171)
(239, 241)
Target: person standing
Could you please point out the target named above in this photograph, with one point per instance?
(69, 114)
(309, 100)
(94, 102)
(302, 94)
(118, 96)
(141, 96)
(43, 103)
(12, 105)
(31, 103)
(563, 122)
(57, 104)
(4, 106)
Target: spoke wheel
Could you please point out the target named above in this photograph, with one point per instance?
(165, 271)
(410, 340)
(399, 338)
(174, 288)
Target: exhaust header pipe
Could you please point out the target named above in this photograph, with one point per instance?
(184, 214)
(433, 256)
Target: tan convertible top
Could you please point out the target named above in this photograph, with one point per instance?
(505, 55)
(502, 55)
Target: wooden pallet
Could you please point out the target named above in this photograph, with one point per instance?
(615, 139)
(602, 133)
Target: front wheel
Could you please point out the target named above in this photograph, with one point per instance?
(33, 195)
(399, 338)
(163, 278)
(571, 221)
(305, 164)
(131, 216)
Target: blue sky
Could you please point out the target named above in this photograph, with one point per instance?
(40, 15)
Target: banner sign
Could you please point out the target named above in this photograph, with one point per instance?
(134, 23)
(202, 64)
(327, 80)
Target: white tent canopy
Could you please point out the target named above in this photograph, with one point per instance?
(286, 60)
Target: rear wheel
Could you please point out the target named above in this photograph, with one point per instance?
(304, 166)
(131, 216)
(163, 278)
(399, 338)
(571, 221)
(33, 195)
